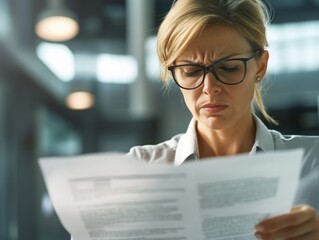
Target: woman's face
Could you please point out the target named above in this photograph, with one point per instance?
(214, 105)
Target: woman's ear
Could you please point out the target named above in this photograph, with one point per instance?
(262, 64)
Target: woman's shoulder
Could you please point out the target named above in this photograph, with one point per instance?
(163, 152)
(294, 141)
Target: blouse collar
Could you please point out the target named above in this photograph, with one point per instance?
(187, 147)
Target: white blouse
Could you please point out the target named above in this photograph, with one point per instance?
(183, 147)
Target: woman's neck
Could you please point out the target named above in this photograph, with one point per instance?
(234, 140)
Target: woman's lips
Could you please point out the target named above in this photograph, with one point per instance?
(214, 107)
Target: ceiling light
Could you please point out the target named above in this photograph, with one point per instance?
(80, 100)
(56, 23)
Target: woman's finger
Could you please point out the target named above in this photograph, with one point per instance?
(301, 223)
(295, 232)
(297, 216)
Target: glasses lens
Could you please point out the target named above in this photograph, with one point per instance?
(188, 76)
(230, 71)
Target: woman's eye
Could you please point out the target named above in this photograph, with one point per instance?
(192, 72)
(230, 66)
(229, 69)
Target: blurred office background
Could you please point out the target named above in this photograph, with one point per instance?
(110, 62)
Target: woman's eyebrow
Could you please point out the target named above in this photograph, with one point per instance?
(187, 61)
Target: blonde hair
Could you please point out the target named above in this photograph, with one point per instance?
(188, 18)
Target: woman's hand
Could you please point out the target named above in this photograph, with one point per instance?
(300, 224)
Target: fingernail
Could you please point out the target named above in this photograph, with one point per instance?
(257, 235)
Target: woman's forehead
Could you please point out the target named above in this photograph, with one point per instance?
(217, 41)
(220, 33)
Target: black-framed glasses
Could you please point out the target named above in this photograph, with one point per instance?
(229, 71)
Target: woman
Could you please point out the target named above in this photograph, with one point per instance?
(214, 50)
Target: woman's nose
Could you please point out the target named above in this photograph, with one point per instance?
(211, 85)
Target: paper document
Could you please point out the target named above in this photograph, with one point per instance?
(111, 197)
